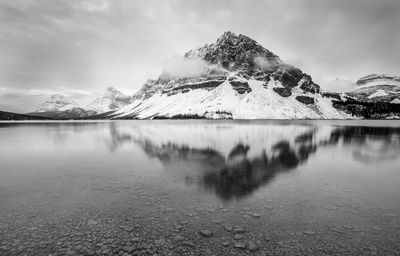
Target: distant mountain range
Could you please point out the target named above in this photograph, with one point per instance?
(235, 78)
(60, 107)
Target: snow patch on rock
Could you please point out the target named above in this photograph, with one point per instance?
(378, 93)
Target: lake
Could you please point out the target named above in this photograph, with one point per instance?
(200, 188)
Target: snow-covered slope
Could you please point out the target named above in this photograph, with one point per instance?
(56, 103)
(111, 100)
(224, 102)
(378, 88)
(236, 78)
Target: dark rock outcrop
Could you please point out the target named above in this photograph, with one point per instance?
(211, 84)
(333, 95)
(284, 92)
(305, 99)
(308, 85)
(240, 86)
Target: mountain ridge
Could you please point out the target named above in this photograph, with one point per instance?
(239, 79)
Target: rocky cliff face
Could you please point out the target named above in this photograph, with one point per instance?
(236, 52)
(235, 77)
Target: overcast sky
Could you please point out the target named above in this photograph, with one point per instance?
(80, 47)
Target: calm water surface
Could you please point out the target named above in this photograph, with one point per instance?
(200, 188)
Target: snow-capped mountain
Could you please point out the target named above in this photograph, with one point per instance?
(235, 77)
(111, 100)
(56, 103)
(378, 88)
(60, 107)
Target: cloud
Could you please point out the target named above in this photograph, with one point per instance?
(338, 85)
(90, 44)
(263, 63)
(94, 5)
(181, 67)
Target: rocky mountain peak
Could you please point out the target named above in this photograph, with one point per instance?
(235, 59)
(236, 52)
(231, 38)
(242, 54)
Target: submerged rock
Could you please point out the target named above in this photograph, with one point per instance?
(188, 243)
(253, 246)
(239, 230)
(237, 237)
(206, 233)
(228, 228)
(226, 243)
(240, 245)
(309, 232)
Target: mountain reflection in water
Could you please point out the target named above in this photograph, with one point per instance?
(230, 159)
(234, 160)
